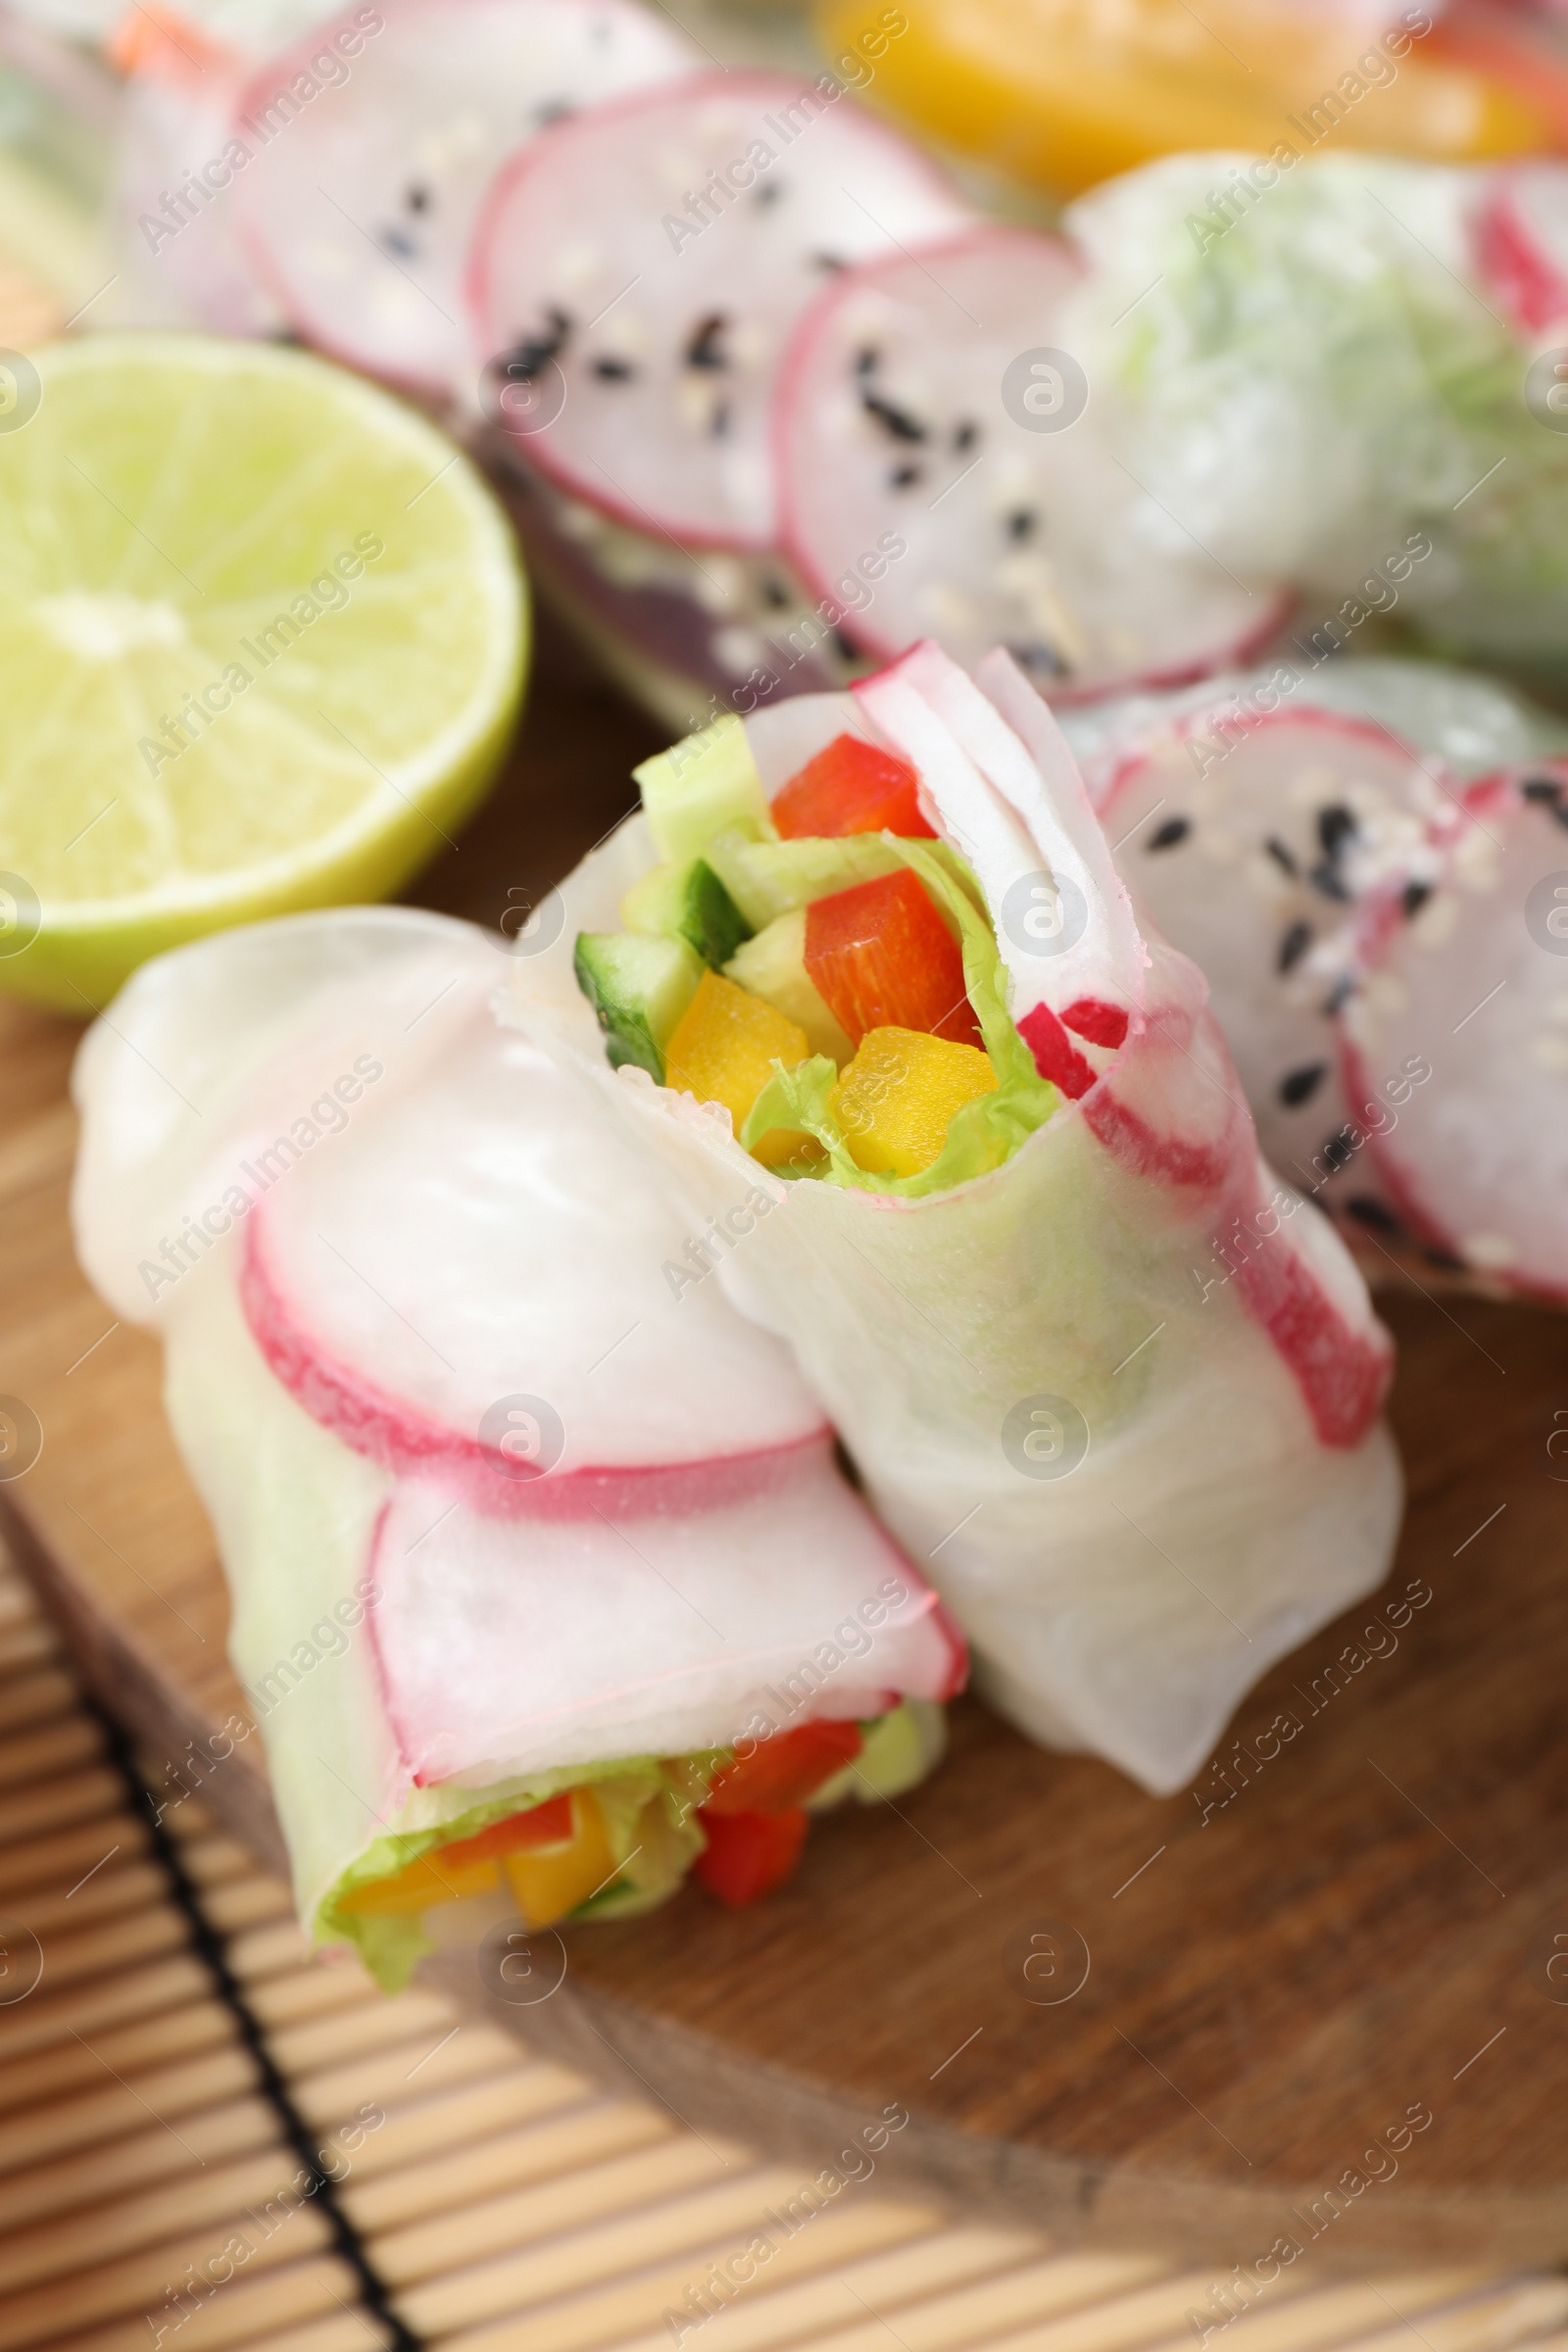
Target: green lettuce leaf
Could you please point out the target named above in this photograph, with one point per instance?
(390, 1945)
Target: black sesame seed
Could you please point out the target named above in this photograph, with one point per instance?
(766, 192)
(1299, 1086)
(417, 198)
(1167, 835)
(1339, 1149)
(615, 371)
(1325, 878)
(895, 420)
(1021, 522)
(1282, 857)
(965, 435)
(1445, 1260)
(844, 644)
(1038, 656)
(830, 263)
(1368, 1212)
(776, 595)
(1414, 897)
(718, 423)
(701, 349)
(867, 360)
(534, 351)
(553, 110)
(1339, 996)
(397, 242)
(1293, 945)
(1335, 826)
(1543, 788)
(903, 478)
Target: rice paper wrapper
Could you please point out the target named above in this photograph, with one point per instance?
(429, 1642)
(1137, 1481)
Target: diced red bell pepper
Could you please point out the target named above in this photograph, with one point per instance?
(748, 1854)
(783, 1772)
(883, 959)
(549, 1823)
(852, 787)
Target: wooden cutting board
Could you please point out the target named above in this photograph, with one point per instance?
(1322, 2014)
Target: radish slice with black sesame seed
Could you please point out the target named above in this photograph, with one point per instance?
(899, 438)
(1521, 236)
(1253, 845)
(1466, 1011)
(651, 258)
(360, 199)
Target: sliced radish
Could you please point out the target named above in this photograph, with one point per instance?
(895, 434)
(1253, 848)
(365, 174)
(656, 1634)
(1521, 237)
(1012, 800)
(477, 1278)
(1157, 1090)
(233, 1060)
(1470, 1003)
(657, 253)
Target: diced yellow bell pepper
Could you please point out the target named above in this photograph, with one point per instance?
(421, 1883)
(896, 1098)
(722, 1050)
(1067, 92)
(549, 1881)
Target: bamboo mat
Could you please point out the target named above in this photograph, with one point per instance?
(486, 2200)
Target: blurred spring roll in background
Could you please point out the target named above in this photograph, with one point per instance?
(546, 1585)
(1358, 852)
(1113, 1384)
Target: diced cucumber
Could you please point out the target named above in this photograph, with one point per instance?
(639, 984)
(900, 1748)
(710, 921)
(769, 879)
(773, 965)
(655, 900)
(707, 784)
(688, 902)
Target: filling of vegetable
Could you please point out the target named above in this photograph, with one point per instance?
(823, 966)
(622, 1836)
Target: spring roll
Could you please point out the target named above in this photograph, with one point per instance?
(546, 1585)
(1114, 1386)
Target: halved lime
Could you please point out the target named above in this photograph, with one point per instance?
(263, 634)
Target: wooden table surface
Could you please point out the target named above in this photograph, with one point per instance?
(1337, 1982)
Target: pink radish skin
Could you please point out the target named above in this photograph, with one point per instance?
(1166, 1102)
(929, 338)
(387, 1430)
(544, 1266)
(1523, 256)
(645, 445)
